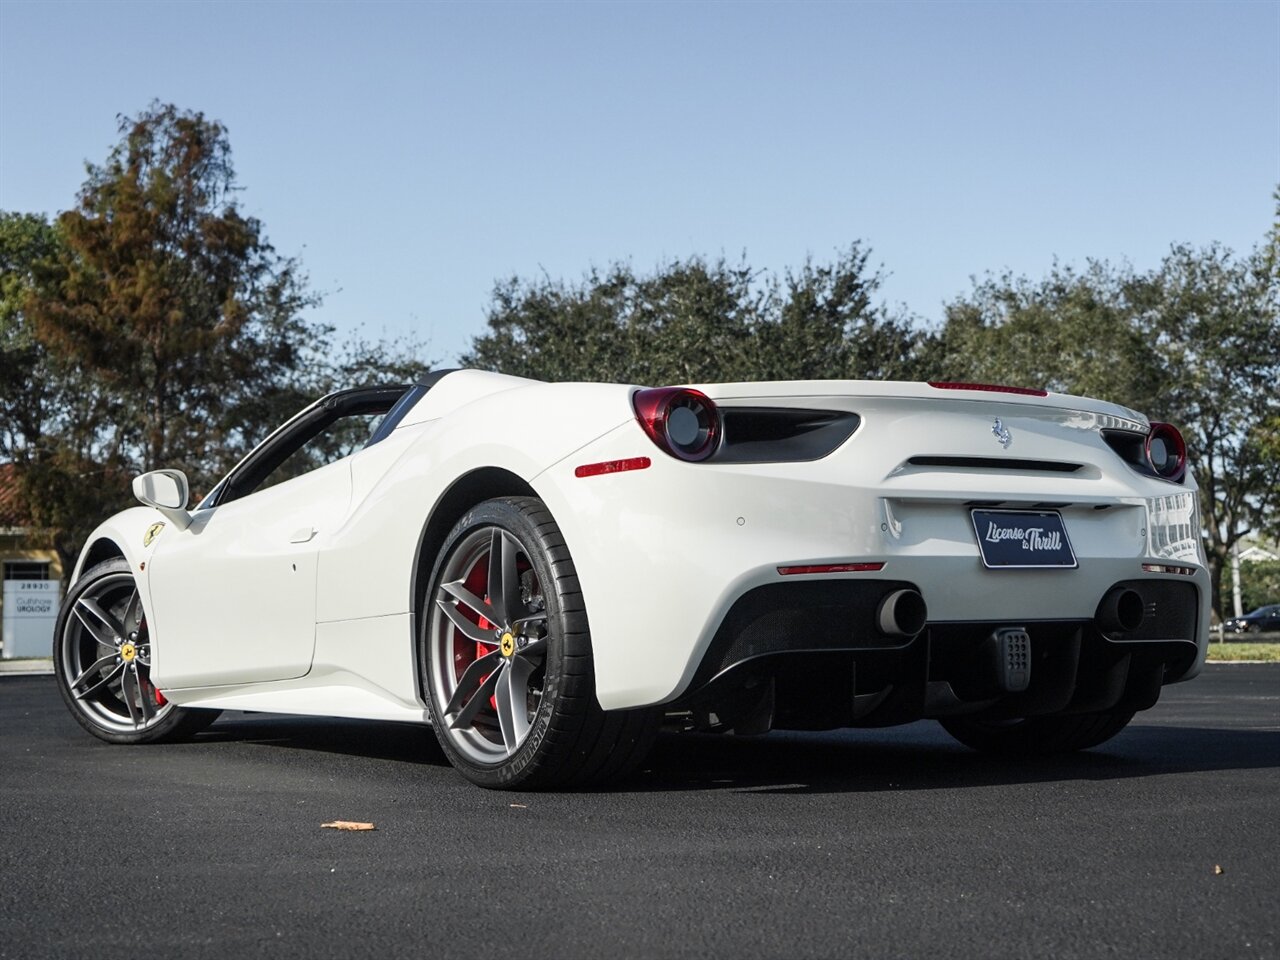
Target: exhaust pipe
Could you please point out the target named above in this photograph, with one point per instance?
(902, 614)
(1120, 611)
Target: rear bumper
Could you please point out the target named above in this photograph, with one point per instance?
(817, 651)
(668, 556)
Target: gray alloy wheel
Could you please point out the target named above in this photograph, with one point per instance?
(102, 662)
(506, 658)
(489, 625)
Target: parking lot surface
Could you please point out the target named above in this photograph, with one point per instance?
(873, 843)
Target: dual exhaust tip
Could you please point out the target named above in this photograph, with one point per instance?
(903, 613)
(1121, 611)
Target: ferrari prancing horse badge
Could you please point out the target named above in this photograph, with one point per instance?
(153, 531)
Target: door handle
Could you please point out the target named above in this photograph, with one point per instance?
(303, 535)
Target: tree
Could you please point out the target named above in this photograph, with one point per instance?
(1214, 319)
(1071, 332)
(30, 391)
(695, 321)
(165, 293)
(156, 326)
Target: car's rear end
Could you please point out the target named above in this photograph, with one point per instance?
(841, 553)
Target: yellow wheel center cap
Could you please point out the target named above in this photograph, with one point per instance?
(128, 651)
(508, 644)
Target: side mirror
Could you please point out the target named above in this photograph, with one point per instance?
(167, 491)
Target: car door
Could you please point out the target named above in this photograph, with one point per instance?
(234, 594)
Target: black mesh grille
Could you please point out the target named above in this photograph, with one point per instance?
(808, 615)
(1172, 610)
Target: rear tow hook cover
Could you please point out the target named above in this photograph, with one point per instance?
(1013, 658)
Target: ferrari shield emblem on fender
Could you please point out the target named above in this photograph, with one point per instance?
(153, 531)
(1001, 433)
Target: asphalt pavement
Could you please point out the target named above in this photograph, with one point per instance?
(874, 843)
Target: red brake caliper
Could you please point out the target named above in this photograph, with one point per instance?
(147, 686)
(481, 651)
(476, 582)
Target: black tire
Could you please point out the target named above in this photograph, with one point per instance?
(1038, 736)
(1255, 628)
(101, 660)
(541, 726)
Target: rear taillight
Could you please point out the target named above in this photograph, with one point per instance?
(682, 422)
(1166, 452)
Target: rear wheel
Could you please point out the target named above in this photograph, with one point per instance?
(1038, 736)
(507, 658)
(102, 663)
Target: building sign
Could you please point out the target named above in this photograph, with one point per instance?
(30, 608)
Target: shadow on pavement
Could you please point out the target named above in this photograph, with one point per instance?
(917, 757)
(869, 761)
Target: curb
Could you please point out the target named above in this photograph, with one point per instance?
(35, 667)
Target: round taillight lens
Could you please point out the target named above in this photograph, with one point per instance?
(682, 422)
(1167, 452)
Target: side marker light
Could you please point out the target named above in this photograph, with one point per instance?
(612, 466)
(831, 568)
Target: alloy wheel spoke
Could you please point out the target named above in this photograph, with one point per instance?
(512, 699)
(96, 665)
(471, 679)
(132, 615)
(468, 629)
(127, 694)
(504, 578)
(480, 699)
(520, 623)
(144, 694)
(533, 648)
(106, 678)
(101, 625)
(458, 590)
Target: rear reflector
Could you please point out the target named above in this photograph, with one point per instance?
(831, 568)
(612, 466)
(1167, 568)
(987, 388)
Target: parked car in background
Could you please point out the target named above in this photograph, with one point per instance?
(1263, 619)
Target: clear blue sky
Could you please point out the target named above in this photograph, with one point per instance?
(412, 153)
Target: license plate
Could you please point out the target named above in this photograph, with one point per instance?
(1018, 539)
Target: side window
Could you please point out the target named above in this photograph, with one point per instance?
(330, 429)
(339, 439)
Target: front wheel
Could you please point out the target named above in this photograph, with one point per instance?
(1038, 736)
(506, 654)
(102, 663)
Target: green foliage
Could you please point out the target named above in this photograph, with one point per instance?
(163, 290)
(1259, 583)
(1231, 650)
(155, 325)
(1072, 332)
(1215, 321)
(30, 392)
(695, 321)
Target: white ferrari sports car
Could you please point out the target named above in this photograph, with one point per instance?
(549, 573)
